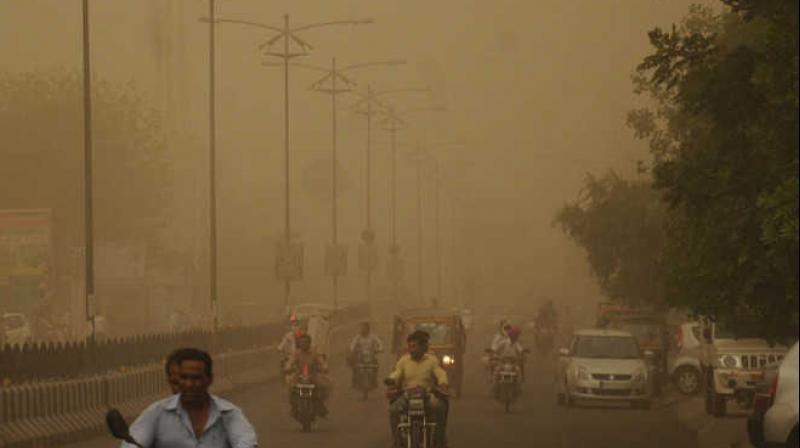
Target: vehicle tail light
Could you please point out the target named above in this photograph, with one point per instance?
(773, 389)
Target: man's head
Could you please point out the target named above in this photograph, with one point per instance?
(303, 342)
(417, 344)
(195, 370)
(502, 327)
(365, 329)
(171, 368)
(513, 333)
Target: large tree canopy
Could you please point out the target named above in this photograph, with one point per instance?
(41, 130)
(724, 139)
(620, 225)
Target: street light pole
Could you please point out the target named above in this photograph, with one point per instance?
(287, 33)
(212, 163)
(334, 75)
(437, 185)
(88, 179)
(419, 222)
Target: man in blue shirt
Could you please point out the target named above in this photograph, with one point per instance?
(193, 418)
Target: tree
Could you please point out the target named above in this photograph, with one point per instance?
(41, 129)
(724, 138)
(620, 225)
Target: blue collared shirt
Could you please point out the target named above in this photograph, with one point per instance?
(165, 424)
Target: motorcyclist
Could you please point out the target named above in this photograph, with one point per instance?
(304, 356)
(418, 369)
(497, 340)
(365, 345)
(289, 341)
(511, 348)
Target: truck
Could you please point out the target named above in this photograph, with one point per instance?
(732, 364)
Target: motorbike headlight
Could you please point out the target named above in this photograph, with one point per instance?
(448, 360)
(729, 361)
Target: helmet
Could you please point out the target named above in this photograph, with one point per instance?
(514, 332)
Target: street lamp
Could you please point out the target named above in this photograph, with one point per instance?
(88, 176)
(287, 34)
(330, 84)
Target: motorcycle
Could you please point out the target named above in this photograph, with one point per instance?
(303, 397)
(415, 430)
(507, 382)
(366, 372)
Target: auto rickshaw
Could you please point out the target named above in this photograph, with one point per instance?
(447, 342)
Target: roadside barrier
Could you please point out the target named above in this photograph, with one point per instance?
(40, 414)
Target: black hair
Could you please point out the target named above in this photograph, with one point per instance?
(171, 360)
(195, 354)
(419, 336)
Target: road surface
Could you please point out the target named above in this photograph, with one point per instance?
(475, 419)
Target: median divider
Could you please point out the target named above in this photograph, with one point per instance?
(50, 412)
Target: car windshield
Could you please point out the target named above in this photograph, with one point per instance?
(606, 347)
(441, 333)
(647, 333)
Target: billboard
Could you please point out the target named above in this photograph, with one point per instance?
(26, 258)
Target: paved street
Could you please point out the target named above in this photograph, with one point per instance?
(476, 420)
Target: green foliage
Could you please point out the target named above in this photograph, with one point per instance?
(41, 129)
(724, 139)
(620, 225)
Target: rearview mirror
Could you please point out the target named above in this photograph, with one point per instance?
(563, 352)
(119, 427)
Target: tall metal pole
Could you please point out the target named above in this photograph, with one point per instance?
(419, 223)
(393, 131)
(368, 181)
(334, 209)
(88, 179)
(287, 238)
(212, 164)
(438, 240)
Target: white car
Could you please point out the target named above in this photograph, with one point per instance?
(15, 328)
(778, 426)
(603, 365)
(685, 370)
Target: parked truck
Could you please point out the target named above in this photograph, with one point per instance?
(732, 363)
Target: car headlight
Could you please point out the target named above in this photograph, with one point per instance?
(448, 360)
(729, 361)
(583, 373)
(640, 376)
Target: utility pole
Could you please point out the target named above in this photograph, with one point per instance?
(88, 176)
(419, 222)
(212, 164)
(332, 76)
(437, 186)
(287, 34)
